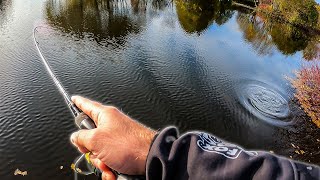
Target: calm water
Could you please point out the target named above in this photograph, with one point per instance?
(213, 67)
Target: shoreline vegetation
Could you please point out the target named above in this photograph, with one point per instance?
(307, 85)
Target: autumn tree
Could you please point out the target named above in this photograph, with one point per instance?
(307, 87)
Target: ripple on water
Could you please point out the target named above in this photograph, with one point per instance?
(265, 102)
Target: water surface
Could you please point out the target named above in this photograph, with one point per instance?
(208, 66)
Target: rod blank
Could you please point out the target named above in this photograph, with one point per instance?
(75, 111)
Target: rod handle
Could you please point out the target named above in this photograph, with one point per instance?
(83, 121)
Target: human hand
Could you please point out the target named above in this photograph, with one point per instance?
(118, 142)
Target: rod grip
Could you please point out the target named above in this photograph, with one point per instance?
(83, 121)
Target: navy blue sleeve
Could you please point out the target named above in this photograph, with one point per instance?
(199, 155)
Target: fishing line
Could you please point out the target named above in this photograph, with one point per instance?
(82, 120)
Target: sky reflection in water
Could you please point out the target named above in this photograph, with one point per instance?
(184, 63)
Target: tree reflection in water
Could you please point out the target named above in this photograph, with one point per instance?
(288, 27)
(5, 8)
(112, 19)
(273, 24)
(196, 15)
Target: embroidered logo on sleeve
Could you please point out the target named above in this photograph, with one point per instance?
(210, 143)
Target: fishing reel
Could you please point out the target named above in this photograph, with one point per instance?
(83, 166)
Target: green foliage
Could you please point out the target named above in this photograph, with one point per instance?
(318, 22)
(299, 12)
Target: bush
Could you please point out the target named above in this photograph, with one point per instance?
(307, 87)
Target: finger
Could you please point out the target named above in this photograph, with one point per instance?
(83, 139)
(91, 108)
(83, 150)
(108, 175)
(99, 164)
(106, 171)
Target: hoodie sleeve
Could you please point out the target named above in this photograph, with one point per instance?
(198, 155)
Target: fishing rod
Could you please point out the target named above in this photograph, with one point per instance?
(82, 120)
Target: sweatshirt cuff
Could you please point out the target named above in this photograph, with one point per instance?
(160, 145)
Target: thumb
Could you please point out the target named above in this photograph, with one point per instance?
(83, 139)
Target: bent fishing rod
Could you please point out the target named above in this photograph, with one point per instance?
(82, 120)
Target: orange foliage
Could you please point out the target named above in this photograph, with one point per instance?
(307, 87)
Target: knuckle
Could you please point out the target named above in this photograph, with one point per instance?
(78, 103)
(92, 139)
(94, 114)
(111, 110)
(94, 136)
